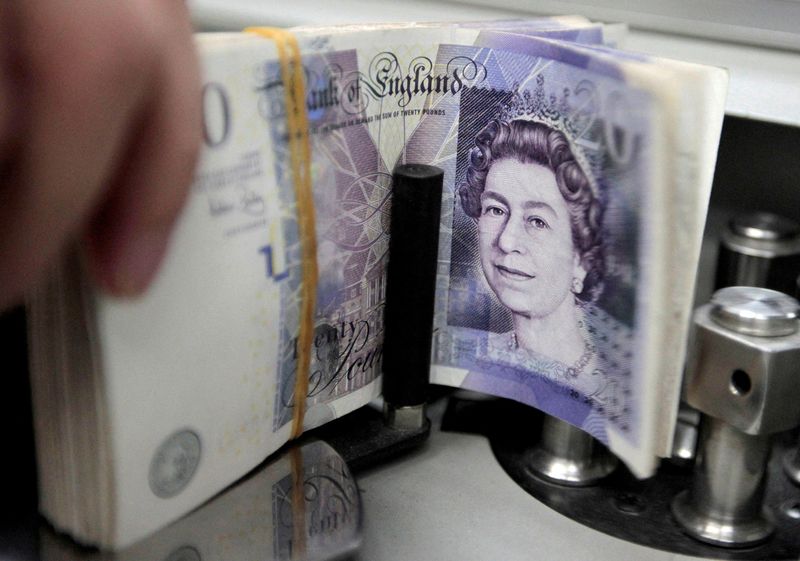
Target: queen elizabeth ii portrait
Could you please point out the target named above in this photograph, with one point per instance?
(532, 235)
(539, 235)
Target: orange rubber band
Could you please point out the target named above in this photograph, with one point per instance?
(300, 155)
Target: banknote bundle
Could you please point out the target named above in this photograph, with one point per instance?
(304, 504)
(576, 181)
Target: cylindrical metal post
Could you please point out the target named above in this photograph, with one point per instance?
(724, 505)
(684, 444)
(791, 465)
(741, 377)
(762, 249)
(759, 249)
(569, 456)
(410, 292)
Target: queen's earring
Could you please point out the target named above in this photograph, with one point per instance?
(577, 285)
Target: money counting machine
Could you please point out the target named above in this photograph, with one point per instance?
(431, 473)
(442, 474)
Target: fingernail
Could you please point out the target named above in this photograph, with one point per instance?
(137, 262)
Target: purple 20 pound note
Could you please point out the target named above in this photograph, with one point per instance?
(539, 295)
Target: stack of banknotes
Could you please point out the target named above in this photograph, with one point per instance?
(304, 504)
(576, 182)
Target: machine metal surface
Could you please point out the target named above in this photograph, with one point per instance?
(742, 375)
(568, 456)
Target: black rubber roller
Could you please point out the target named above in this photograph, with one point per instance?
(411, 283)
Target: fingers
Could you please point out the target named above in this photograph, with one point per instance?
(7, 81)
(83, 83)
(128, 236)
(100, 86)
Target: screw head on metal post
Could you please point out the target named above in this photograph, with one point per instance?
(755, 311)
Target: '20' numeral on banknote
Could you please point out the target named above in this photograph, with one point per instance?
(216, 115)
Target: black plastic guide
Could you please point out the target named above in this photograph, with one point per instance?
(411, 283)
(365, 437)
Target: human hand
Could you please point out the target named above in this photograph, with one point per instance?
(100, 124)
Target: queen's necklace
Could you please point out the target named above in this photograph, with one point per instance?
(571, 371)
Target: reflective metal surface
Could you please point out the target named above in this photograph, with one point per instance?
(684, 444)
(724, 504)
(751, 382)
(759, 249)
(569, 456)
(632, 510)
(762, 234)
(791, 465)
(755, 311)
(742, 375)
(303, 505)
(719, 532)
(764, 226)
(410, 417)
